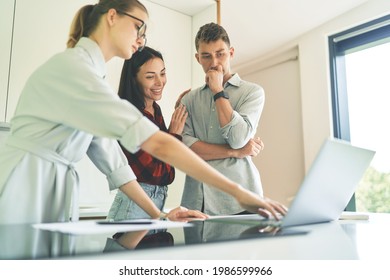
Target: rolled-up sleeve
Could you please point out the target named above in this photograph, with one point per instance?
(189, 141)
(245, 118)
(120, 176)
(137, 133)
(108, 157)
(188, 132)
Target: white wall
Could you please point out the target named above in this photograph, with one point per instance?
(36, 39)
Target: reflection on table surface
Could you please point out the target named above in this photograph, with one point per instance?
(26, 242)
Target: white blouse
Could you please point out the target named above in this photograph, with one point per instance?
(66, 109)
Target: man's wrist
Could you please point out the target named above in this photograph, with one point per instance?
(220, 94)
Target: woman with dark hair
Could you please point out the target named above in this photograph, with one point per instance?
(67, 110)
(142, 83)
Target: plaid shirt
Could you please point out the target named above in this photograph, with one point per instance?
(147, 168)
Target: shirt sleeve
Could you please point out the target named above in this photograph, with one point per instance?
(108, 157)
(188, 134)
(246, 116)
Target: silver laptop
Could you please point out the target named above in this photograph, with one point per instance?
(327, 187)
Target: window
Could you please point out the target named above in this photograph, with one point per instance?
(360, 77)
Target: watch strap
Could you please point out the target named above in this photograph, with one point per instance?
(220, 94)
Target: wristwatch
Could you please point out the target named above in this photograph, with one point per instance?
(221, 94)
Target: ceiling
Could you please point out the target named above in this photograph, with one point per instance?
(257, 26)
(188, 7)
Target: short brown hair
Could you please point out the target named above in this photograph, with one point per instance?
(211, 32)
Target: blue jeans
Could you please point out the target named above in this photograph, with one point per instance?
(124, 208)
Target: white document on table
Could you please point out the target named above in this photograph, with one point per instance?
(93, 227)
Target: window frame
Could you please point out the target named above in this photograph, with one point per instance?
(358, 38)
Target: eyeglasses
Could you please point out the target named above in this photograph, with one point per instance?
(141, 30)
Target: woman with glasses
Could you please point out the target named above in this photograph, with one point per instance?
(67, 110)
(142, 83)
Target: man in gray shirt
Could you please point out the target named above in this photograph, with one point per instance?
(221, 125)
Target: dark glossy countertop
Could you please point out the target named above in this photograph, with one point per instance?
(27, 242)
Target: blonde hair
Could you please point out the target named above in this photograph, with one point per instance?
(87, 18)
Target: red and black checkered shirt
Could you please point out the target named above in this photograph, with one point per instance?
(147, 168)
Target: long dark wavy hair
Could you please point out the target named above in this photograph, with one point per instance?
(129, 88)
